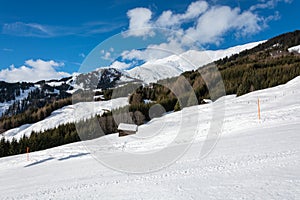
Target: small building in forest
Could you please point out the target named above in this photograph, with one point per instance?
(127, 129)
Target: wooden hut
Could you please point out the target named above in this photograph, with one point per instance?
(127, 129)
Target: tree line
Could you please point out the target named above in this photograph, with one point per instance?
(32, 115)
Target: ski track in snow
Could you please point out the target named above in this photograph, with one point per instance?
(252, 160)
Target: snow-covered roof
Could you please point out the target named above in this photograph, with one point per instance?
(127, 127)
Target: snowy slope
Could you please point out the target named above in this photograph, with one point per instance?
(65, 115)
(252, 160)
(294, 49)
(23, 95)
(55, 83)
(174, 65)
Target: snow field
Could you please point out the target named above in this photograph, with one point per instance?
(252, 159)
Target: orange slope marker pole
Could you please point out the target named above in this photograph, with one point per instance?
(27, 153)
(258, 107)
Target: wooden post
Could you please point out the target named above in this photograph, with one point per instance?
(258, 106)
(27, 153)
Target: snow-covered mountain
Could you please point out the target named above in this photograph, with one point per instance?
(103, 78)
(17, 97)
(254, 159)
(100, 78)
(174, 65)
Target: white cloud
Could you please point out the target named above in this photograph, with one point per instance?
(24, 29)
(119, 65)
(195, 9)
(167, 19)
(153, 52)
(201, 22)
(27, 29)
(7, 50)
(33, 70)
(199, 25)
(140, 18)
(107, 55)
(217, 21)
(82, 55)
(270, 4)
(139, 22)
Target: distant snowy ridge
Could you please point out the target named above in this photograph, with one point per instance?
(174, 65)
(99, 78)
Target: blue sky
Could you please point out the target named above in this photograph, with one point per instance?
(53, 38)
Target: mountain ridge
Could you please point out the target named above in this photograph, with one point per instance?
(174, 65)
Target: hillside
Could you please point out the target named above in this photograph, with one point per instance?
(250, 70)
(28, 103)
(264, 66)
(243, 164)
(150, 100)
(19, 97)
(67, 114)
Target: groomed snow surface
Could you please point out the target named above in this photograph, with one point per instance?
(252, 160)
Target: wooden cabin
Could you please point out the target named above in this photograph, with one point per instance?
(127, 129)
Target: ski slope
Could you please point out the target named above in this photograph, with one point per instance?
(67, 114)
(252, 160)
(174, 65)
